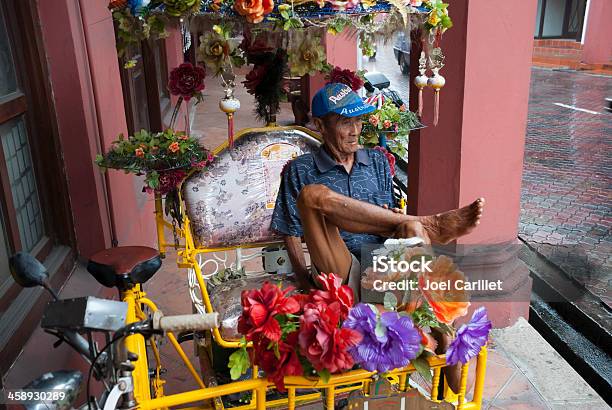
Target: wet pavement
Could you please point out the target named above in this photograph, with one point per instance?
(567, 177)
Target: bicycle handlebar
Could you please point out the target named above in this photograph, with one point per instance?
(180, 323)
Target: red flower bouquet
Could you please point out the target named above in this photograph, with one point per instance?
(296, 334)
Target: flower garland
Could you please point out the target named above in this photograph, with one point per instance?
(395, 122)
(165, 158)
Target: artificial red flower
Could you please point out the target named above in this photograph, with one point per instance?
(387, 124)
(255, 77)
(373, 120)
(174, 147)
(139, 152)
(322, 342)
(259, 308)
(186, 80)
(286, 363)
(390, 158)
(333, 291)
(345, 76)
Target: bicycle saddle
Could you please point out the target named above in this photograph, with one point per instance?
(124, 266)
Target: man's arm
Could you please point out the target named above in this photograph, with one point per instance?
(296, 256)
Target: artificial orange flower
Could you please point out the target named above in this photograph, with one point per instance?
(414, 302)
(254, 10)
(139, 152)
(174, 147)
(447, 304)
(428, 341)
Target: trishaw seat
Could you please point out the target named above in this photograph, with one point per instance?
(230, 205)
(124, 266)
(231, 202)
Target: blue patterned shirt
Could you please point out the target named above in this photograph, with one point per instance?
(370, 180)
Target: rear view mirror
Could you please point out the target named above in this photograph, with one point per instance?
(27, 270)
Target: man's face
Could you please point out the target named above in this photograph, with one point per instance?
(340, 133)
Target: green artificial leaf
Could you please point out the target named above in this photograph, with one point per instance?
(296, 22)
(325, 375)
(238, 363)
(285, 14)
(390, 301)
(446, 22)
(152, 179)
(422, 366)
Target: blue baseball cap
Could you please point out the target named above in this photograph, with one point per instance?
(340, 99)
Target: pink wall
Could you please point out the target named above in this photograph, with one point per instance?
(341, 51)
(80, 47)
(477, 148)
(132, 209)
(74, 105)
(597, 48)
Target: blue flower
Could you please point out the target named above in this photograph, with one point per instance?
(470, 338)
(389, 341)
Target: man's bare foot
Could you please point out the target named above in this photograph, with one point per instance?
(445, 227)
(410, 229)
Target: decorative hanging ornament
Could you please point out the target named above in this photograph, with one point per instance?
(229, 105)
(421, 80)
(436, 62)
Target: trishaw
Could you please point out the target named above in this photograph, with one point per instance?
(220, 212)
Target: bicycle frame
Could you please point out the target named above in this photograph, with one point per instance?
(337, 384)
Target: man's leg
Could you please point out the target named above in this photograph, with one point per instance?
(323, 212)
(362, 217)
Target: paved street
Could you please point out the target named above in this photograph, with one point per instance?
(385, 62)
(568, 176)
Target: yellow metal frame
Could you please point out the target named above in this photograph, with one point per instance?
(337, 384)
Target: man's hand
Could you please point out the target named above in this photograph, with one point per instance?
(296, 256)
(396, 210)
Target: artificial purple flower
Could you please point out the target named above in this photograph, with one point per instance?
(470, 338)
(388, 343)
